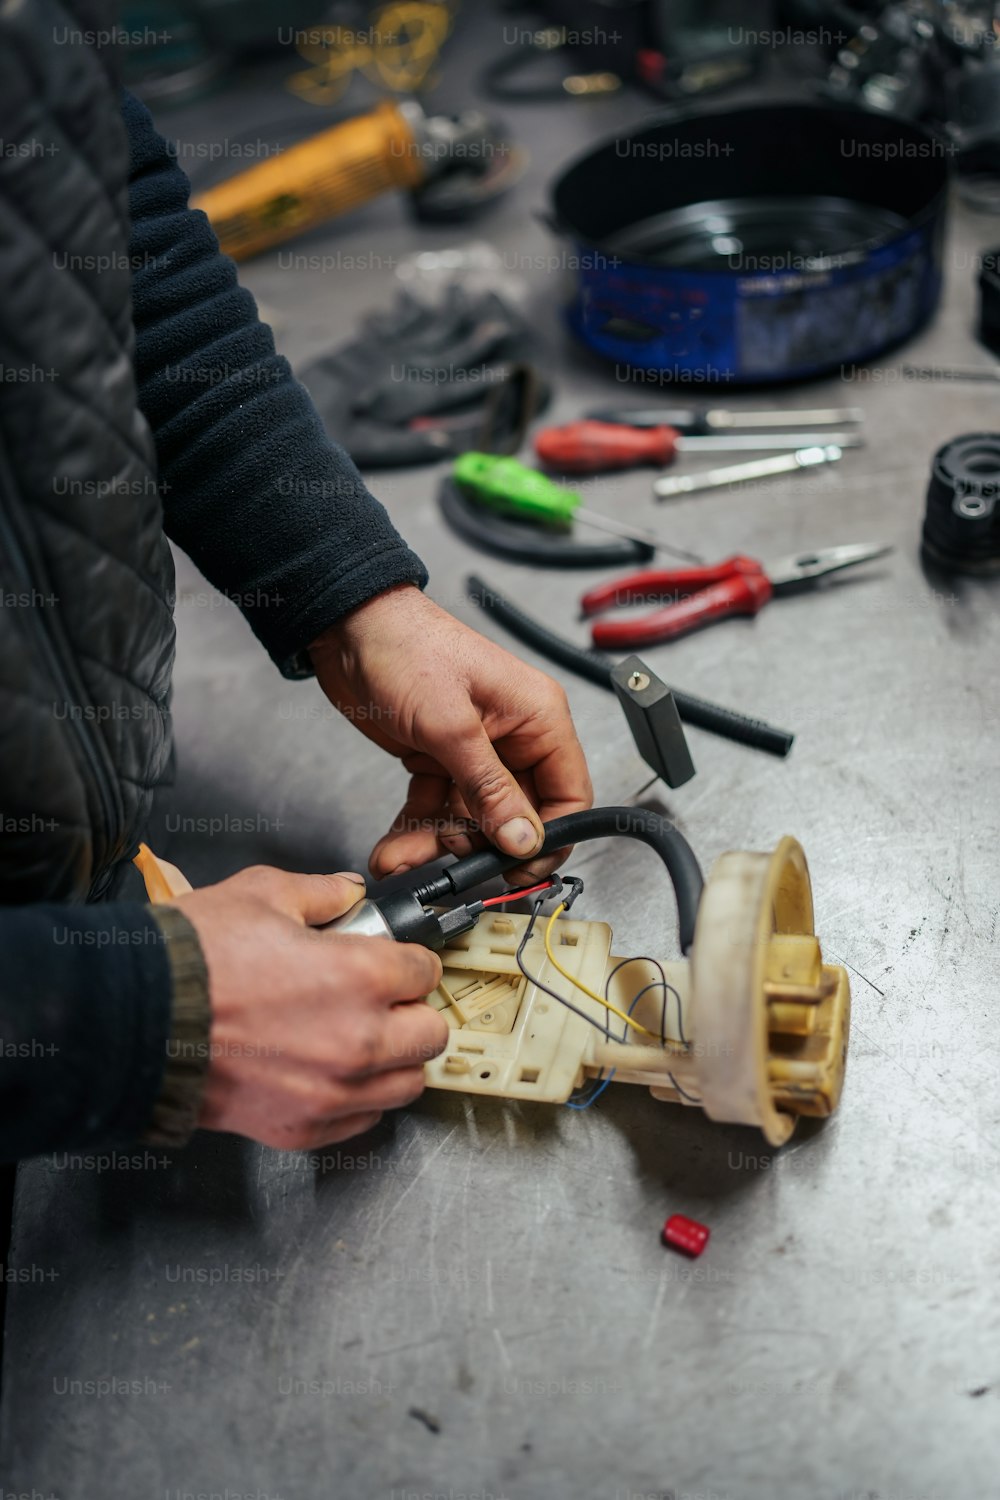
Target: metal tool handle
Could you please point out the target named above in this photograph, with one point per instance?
(672, 485)
(821, 416)
(756, 442)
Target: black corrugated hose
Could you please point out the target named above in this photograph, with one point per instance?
(595, 666)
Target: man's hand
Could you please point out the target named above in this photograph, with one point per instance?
(488, 741)
(313, 1033)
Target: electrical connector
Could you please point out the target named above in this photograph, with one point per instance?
(458, 920)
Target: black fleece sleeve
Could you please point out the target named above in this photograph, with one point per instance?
(273, 512)
(85, 1017)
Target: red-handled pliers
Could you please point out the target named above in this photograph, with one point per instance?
(737, 586)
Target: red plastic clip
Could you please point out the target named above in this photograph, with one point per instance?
(685, 1234)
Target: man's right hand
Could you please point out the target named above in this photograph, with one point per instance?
(313, 1033)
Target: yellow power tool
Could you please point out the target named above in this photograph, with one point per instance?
(452, 165)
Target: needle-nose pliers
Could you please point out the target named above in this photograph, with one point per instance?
(697, 596)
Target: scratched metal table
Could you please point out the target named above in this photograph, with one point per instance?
(474, 1299)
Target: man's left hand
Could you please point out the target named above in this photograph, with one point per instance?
(488, 741)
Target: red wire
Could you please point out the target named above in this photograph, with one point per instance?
(515, 895)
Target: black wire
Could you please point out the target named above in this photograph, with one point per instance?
(663, 1017)
(689, 1097)
(597, 1083)
(656, 983)
(644, 958)
(518, 958)
(605, 1030)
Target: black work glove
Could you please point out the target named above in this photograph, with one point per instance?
(421, 382)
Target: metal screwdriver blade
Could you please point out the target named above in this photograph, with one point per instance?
(634, 533)
(728, 442)
(824, 416)
(673, 485)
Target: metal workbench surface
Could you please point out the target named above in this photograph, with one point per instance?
(474, 1298)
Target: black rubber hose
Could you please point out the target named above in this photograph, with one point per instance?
(577, 828)
(595, 666)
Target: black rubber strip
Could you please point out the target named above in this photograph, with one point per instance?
(595, 666)
(518, 541)
(649, 828)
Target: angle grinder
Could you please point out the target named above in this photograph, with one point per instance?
(452, 166)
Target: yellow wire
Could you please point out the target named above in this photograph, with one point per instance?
(591, 994)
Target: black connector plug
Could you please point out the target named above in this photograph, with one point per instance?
(409, 920)
(458, 920)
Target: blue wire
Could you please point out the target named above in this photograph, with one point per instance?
(588, 1102)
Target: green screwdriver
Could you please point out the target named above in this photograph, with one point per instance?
(506, 485)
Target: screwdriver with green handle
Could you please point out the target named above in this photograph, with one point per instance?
(508, 486)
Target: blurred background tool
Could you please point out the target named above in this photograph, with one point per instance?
(962, 520)
(175, 49)
(428, 377)
(594, 447)
(591, 48)
(521, 540)
(989, 299)
(929, 60)
(453, 166)
(596, 667)
(511, 487)
(695, 419)
(673, 486)
(737, 586)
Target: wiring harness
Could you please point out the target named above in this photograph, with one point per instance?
(464, 874)
(597, 1086)
(638, 823)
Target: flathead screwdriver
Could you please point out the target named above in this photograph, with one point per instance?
(673, 486)
(696, 419)
(595, 447)
(505, 485)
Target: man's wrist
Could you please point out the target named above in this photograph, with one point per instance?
(354, 625)
(176, 1111)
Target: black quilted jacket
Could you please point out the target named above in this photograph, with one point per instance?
(139, 394)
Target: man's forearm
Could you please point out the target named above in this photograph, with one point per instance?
(273, 512)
